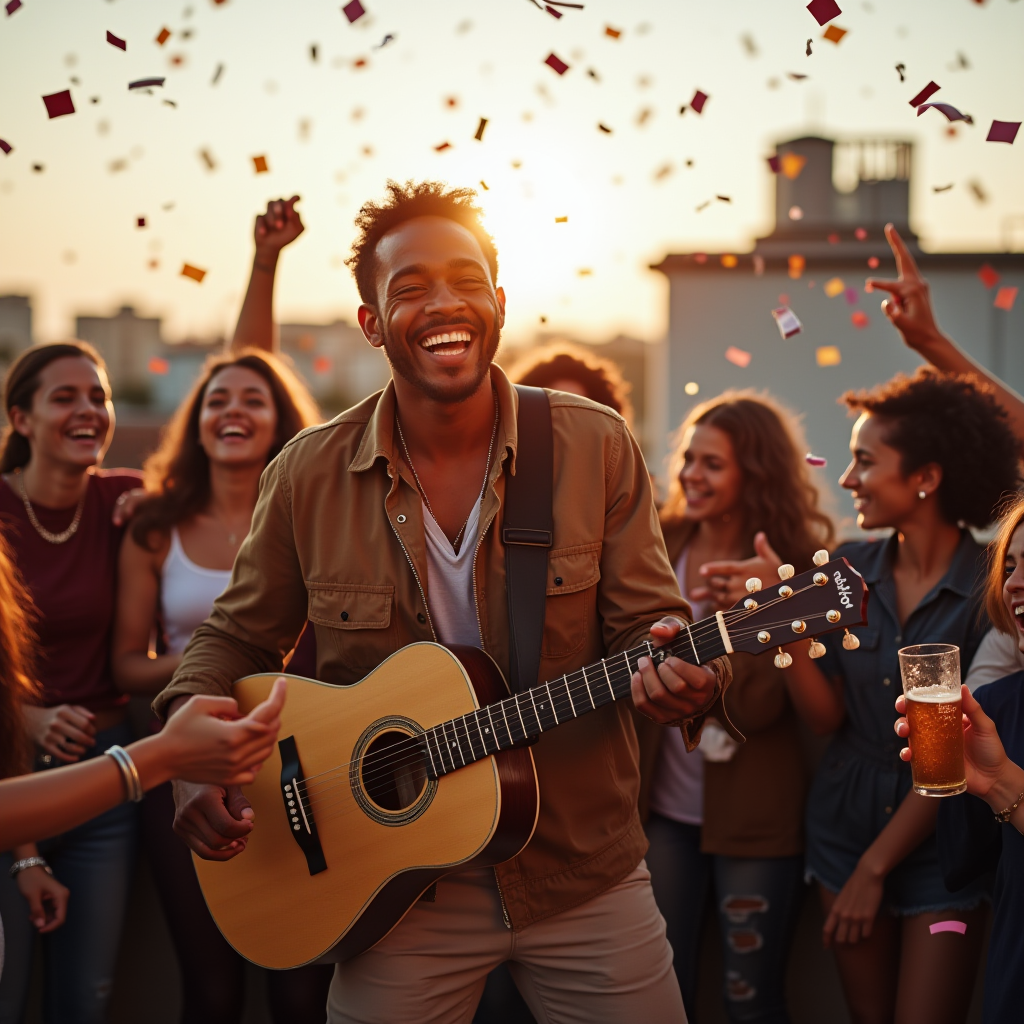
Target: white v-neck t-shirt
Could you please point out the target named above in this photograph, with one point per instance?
(450, 595)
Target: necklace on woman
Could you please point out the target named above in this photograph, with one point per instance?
(457, 543)
(52, 538)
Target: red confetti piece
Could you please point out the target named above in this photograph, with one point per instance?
(116, 41)
(873, 262)
(322, 364)
(929, 90)
(165, 34)
(353, 11)
(989, 276)
(12, 7)
(737, 356)
(860, 234)
(773, 163)
(159, 366)
(698, 101)
(859, 319)
(140, 222)
(195, 273)
(552, 11)
(824, 11)
(59, 103)
(950, 112)
(442, 147)
(5, 146)
(1005, 298)
(1003, 131)
(556, 64)
(833, 239)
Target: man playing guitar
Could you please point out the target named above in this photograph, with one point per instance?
(383, 528)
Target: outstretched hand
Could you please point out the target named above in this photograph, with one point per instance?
(726, 581)
(278, 227)
(909, 305)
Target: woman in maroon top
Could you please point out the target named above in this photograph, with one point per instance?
(56, 513)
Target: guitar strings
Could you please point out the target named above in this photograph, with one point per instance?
(574, 687)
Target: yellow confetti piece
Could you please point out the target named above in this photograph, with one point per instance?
(195, 273)
(729, 261)
(834, 287)
(260, 163)
(561, 220)
(791, 164)
(828, 355)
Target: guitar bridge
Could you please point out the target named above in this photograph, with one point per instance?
(298, 808)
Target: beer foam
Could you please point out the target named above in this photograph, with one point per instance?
(934, 695)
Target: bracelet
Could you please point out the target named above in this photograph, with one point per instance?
(1006, 814)
(132, 782)
(29, 862)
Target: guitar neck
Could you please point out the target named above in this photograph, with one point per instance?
(522, 716)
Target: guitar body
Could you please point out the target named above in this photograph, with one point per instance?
(385, 835)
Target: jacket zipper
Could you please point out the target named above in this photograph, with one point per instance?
(501, 897)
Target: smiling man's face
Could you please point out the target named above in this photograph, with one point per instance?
(438, 314)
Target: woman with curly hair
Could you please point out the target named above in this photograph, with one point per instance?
(933, 454)
(739, 482)
(175, 561)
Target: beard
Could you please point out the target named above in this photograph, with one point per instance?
(456, 390)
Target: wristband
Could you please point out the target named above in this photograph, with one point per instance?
(1006, 814)
(29, 862)
(132, 782)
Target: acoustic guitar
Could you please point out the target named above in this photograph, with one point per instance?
(422, 768)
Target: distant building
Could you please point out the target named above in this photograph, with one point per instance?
(127, 343)
(823, 240)
(15, 325)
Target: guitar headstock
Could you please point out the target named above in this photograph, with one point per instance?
(830, 597)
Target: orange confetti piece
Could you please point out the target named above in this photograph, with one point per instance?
(442, 147)
(859, 319)
(159, 366)
(612, 33)
(260, 163)
(729, 262)
(165, 34)
(791, 164)
(828, 355)
(833, 34)
(796, 266)
(1005, 298)
(195, 273)
(322, 364)
(737, 356)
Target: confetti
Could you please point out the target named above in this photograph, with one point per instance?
(195, 273)
(787, 321)
(698, 101)
(795, 75)
(728, 261)
(758, 266)
(484, 185)
(851, 295)
(6, 147)
(612, 33)
(1005, 298)
(900, 68)
(796, 266)
(353, 11)
(442, 146)
(217, 74)
(1003, 131)
(59, 103)
(691, 387)
(823, 11)
(556, 64)
(723, 199)
(140, 222)
(585, 272)
(115, 41)
(828, 355)
(163, 36)
(737, 356)
(952, 114)
(816, 460)
(834, 287)
(796, 213)
(978, 191)
(988, 276)
(260, 163)
(603, 128)
(12, 7)
(833, 239)
(873, 262)
(773, 163)
(792, 164)
(207, 157)
(941, 188)
(322, 364)
(807, 52)
(158, 366)
(859, 319)
(146, 83)
(834, 34)
(860, 234)
(479, 136)
(389, 38)
(561, 220)
(929, 90)
(552, 11)
(948, 926)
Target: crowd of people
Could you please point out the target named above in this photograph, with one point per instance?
(106, 575)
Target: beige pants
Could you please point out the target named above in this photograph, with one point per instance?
(605, 962)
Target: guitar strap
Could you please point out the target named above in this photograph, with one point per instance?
(527, 532)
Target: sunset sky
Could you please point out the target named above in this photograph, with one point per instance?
(334, 132)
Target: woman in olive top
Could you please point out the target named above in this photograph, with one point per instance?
(727, 820)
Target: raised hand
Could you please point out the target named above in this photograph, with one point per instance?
(909, 305)
(726, 581)
(278, 227)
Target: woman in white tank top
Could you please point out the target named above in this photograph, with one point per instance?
(175, 561)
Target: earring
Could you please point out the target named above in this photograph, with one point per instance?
(922, 495)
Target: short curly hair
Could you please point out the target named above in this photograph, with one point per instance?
(402, 203)
(956, 422)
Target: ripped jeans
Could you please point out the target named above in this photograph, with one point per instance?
(757, 901)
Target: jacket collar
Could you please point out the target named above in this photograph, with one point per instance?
(961, 576)
(379, 438)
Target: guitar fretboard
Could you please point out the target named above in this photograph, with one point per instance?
(522, 716)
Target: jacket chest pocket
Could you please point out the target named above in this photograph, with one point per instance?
(573, 575)
(358, 619)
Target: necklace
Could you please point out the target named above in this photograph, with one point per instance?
(457, 543)
(52, 538)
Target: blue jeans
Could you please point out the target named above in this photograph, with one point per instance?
(757, 901)
(95, 861)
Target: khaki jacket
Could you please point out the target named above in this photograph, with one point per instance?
(753, 803)
(338, 528)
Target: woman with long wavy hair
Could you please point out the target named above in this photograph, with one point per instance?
(203, 483)
(738, 477)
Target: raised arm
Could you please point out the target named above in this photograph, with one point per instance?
(275, 229)
(909, 307)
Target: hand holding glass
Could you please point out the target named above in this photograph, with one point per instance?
(931, 685)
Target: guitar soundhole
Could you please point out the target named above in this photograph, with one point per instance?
(393, 772)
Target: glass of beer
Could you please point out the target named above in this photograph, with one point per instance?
(931, 684)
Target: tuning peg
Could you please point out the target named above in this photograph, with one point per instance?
(820, 557)
(753, 585)
(817, 649)
(786, 572)
(850, 642)
(782, 659)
